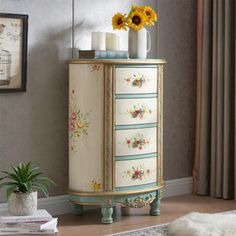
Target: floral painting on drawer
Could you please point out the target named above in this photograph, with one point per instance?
(139, 111)
(137, 80)
(133, 80)
(138, 172)
(136, 111)
(135, 172)
(137, 141)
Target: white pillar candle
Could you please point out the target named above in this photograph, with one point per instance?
(98, 41)
(112, 41)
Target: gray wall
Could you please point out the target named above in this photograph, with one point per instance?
(176, 42)
(33, 125)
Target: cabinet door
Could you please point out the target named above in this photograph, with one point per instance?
(86, 127)
(135, 172)
(136, 141)
(136, 111)
(136, 80)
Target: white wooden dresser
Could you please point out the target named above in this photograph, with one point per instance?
(115, 134)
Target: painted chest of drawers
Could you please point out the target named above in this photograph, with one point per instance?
(115, 134)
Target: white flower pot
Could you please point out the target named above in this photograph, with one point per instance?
(139, 43)
(22, 204)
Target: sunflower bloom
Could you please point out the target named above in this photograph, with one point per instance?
(138, 8)
(136, 20)
(151, 16)
(118, 21)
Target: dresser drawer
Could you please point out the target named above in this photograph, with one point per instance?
(136, 111)
(135, 172)
(136, 80)
(135, 141)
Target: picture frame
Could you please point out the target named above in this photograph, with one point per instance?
(13, 52)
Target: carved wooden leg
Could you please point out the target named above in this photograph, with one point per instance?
(78, 210)
(155, 205)
(107, 214)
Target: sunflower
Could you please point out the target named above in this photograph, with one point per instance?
(138, 8)
(151, 16)
(136, 20)
(118, 21)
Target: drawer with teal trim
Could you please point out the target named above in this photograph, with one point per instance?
(136, 110)
(132, 80)
(135, 141)
(130, 173)
(135, 127)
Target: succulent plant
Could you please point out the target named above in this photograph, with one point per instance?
(25, 178)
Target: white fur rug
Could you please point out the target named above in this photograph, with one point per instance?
(200, 224)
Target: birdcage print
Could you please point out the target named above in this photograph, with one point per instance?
(5, 67)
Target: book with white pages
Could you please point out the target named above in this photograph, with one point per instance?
(23, 233)
(39, 215)
(14, 230)
(41, 225)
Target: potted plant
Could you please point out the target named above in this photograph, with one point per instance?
(22, 183)
(136, 20)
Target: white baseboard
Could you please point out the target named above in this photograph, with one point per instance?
(178, 187)
(59, 205)
(56, 205)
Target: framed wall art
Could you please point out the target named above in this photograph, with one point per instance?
(13, 52)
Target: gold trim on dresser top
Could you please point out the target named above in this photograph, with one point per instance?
(110, 193)
(118, 61)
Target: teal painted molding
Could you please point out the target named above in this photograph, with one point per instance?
(136, 187)
(136, 96)
(123, 199)
(103, 200)
(136, 200)
(135, 157)
(100, 200)
(137, 66)
(137, 126)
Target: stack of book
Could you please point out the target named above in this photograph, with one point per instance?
(40, 223)
(103, 54)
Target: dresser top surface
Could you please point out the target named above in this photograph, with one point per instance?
(117, 61)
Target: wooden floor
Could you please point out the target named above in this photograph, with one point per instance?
(89, 223)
